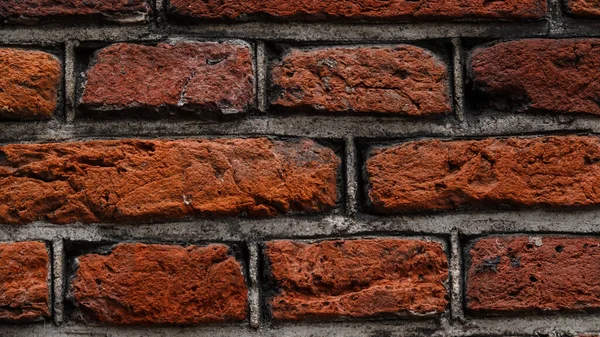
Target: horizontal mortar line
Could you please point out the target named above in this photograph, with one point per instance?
(337, 127)
(493, 327)
(305, 31)
(585, 222)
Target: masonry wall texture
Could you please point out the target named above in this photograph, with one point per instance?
(299, 168)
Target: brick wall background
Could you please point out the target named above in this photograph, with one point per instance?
(299, 168)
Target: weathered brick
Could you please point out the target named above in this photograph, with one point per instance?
(520, 273)
(432, 174)
(545, 75)
(29, 84)
(197, 77)
(145, 180)
(161, 284)
(357, 278)
(31, 11)
(357, 9)
(589, 8)
(394, 80)
(24, 290)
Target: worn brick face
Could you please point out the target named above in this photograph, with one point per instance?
(434, 174)
(357, 278)
(29, 84)
(392, 80)
(547, 75)
(19, 10)
(161, 284)
(510, 274)
(197, 77)
(146, 180)
(589, 8)
(357, 9)
(24, 290)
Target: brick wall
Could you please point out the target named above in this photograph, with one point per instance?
(300, 168)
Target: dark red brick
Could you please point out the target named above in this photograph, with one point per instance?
(30, 11)
(391, 80)
(357, 9)
(357, 278)
(533, 75)
(146, 180)
(24, 290)
(198, 77)
(161, 284)
(520, 273)
(432, 174)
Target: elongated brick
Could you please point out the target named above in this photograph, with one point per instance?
(161, 284)
(541, 273)
(201, 77)
(547, 75)
(357, 278)
(31, 11)
(392, 80)
(356, 9)
(146, 180)
(432, 174)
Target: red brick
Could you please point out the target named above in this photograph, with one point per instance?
(160, 284)
(511, 274)
(357, 278)
(433, 174)
(29, 83)
(30, 11)
(146, 180)
(589, 8)
(24, 290)
(532, 75)
(392, 80)
(198, 77)
(357, 9)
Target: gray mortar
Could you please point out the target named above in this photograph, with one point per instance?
(446, 226)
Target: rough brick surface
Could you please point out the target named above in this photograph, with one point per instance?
(357, 278)
(201, 77)
(540, 75)
(160, 284)
(20, 10)
(533, 274)
(358, 9)
(29, 84)
(403, 79)
(142, 180)
(433, 174)
(589, 8)
(24, 291)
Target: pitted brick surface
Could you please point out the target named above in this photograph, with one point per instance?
(148, 180)
(161, 284)
(433, 174)
(357, 278)
(392, 80)
(538, 273)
